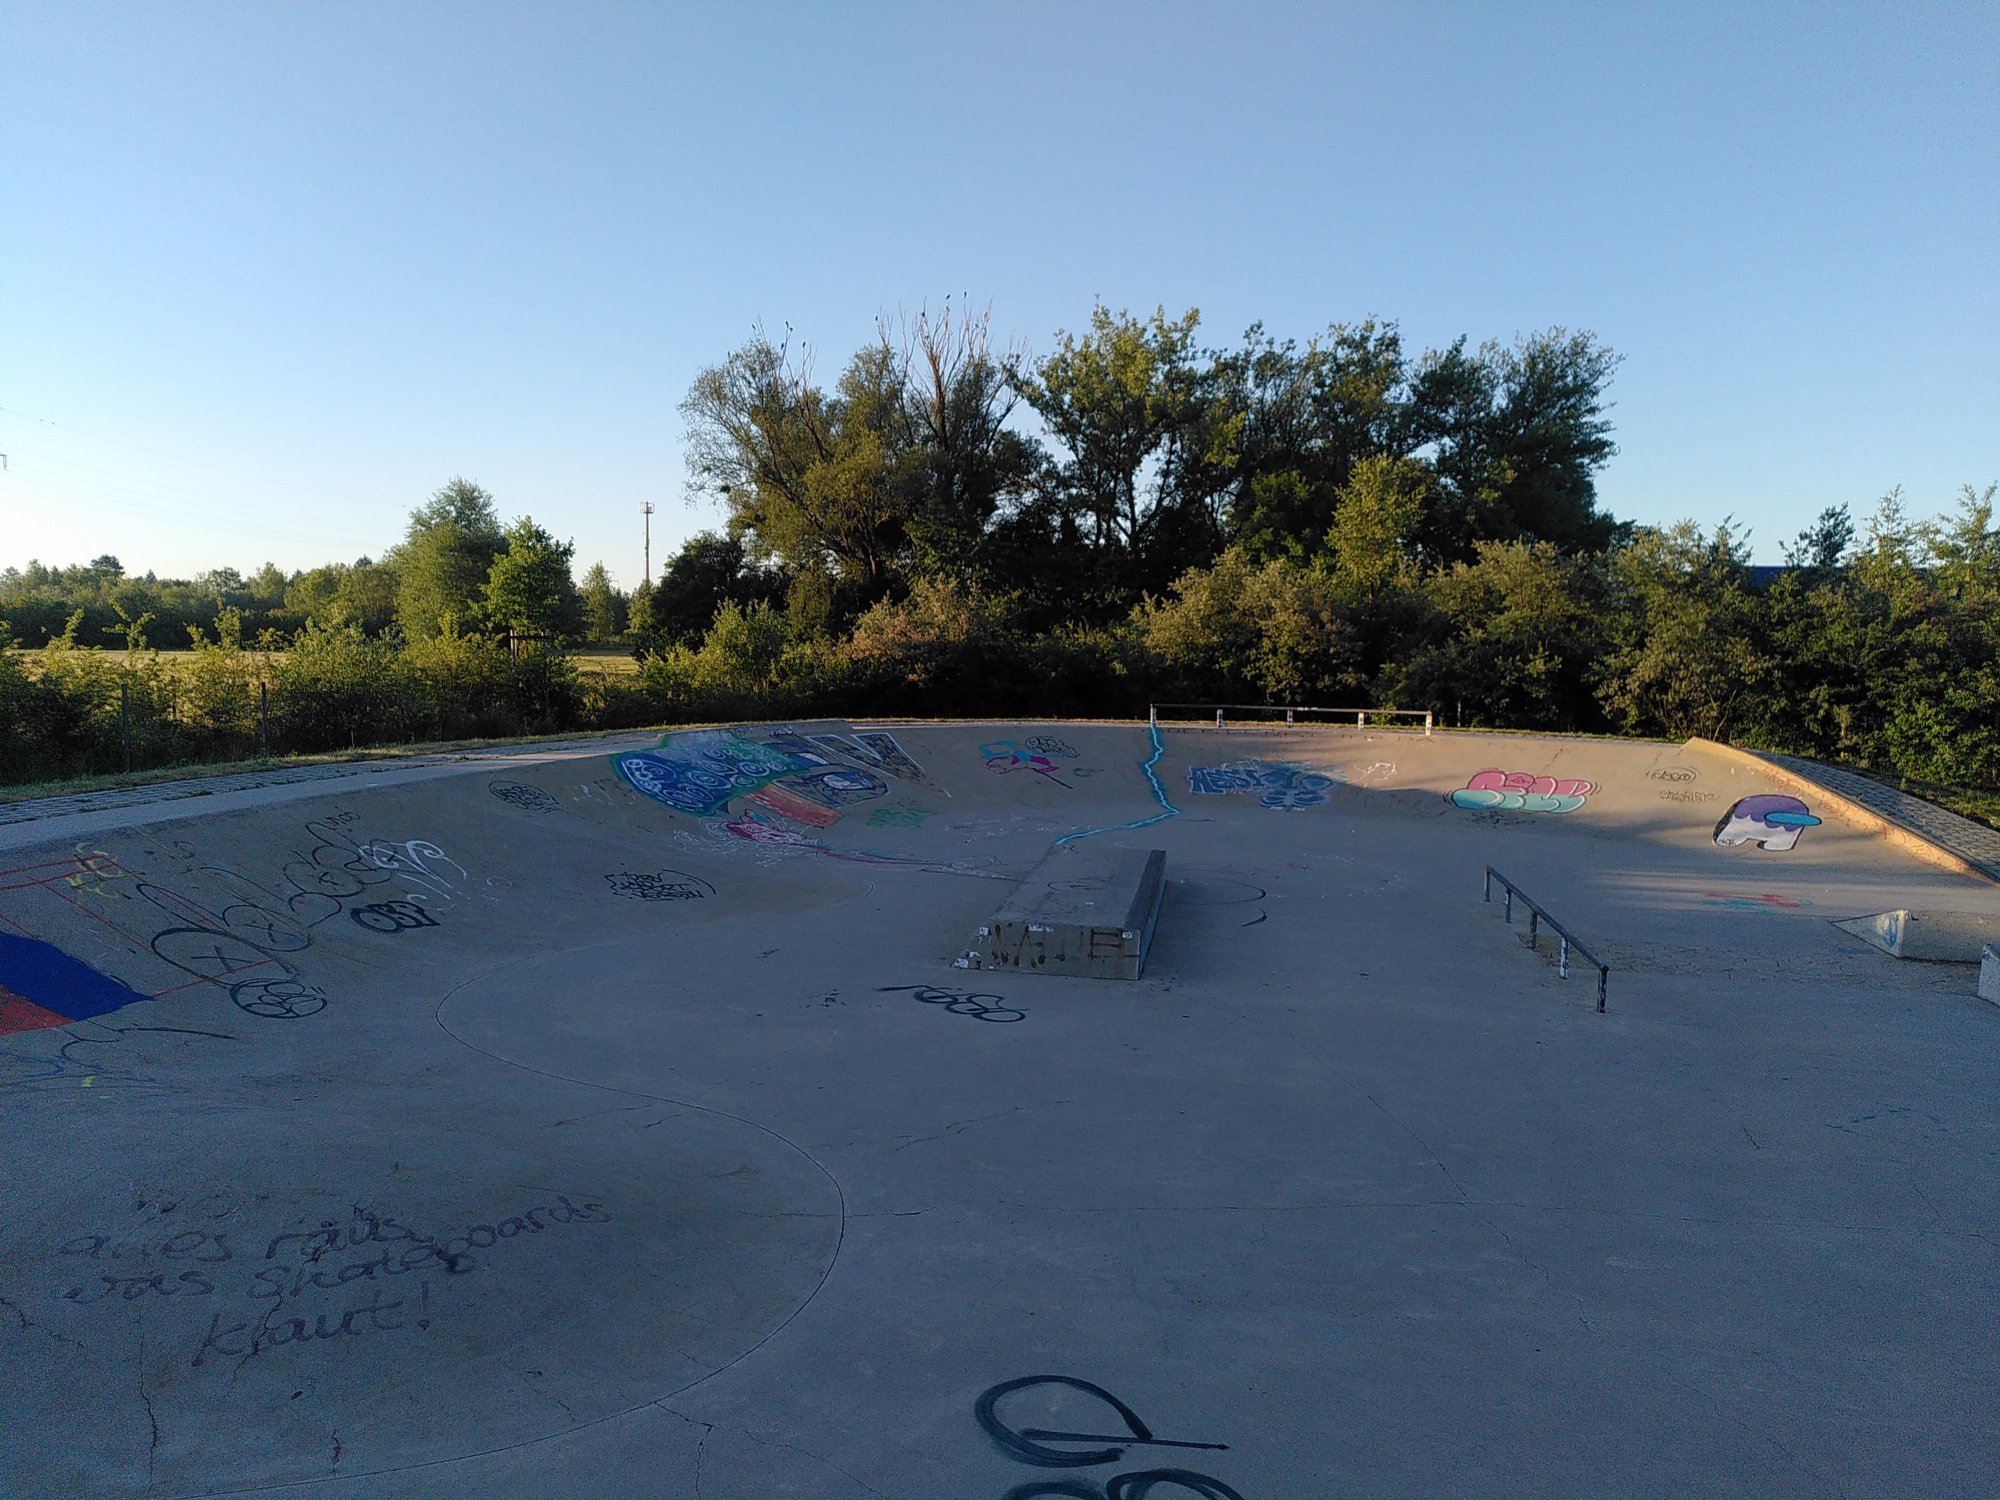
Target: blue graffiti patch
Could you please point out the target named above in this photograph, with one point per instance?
(48, 978)
(1281, 787)
(699, 771)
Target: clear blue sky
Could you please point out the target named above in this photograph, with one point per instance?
(276, 272)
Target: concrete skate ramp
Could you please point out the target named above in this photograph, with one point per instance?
(611, 1121)
(1935, 936)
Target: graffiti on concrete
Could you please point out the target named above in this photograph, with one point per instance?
(1674, 775)
(392, 916)
(899, 817)
(1003, 757)
(241, 936)
(1521, 791)
(805, 779)
(41, 986)
(278, 999)
(874, 749)
(959, 1002)
(660, 885)
(1050, 745)
(262, 1290)
(1040, 1421)
(527, 798)
(1771, 821)
(1277, 784)
(700, 770)
(1765, 902)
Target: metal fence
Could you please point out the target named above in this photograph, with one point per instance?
(1536, 917)
(1364, 718)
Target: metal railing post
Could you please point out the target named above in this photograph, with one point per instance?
(1288, 718)
(1218, 718)
(1564, 942)
(1427, 723)
(1153, 714)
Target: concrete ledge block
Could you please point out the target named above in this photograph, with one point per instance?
(1935, 936)
(1089, 912)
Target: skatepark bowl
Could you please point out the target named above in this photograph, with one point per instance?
(646, 1119)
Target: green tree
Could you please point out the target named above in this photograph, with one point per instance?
(444, 562)
(709, 571)
(1112, 398)
(960, 461)
(1371, 545)
(600, 606)
(1686, 656)
(1309, 415)
(639, 613)
(1517, 632)
(1516, 437)
(529, 589)
(806, 475)
(1824, 545)
(1273, 629)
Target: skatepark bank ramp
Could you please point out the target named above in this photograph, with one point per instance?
(612, 1120)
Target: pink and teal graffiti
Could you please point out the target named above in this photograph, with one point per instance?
(1521, 791)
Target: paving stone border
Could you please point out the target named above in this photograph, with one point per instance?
(1974, 843)
(34, 809)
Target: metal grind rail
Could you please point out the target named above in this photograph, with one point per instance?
(1361, 716)
(1537, 916)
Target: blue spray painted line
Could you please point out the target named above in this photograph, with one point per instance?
(1159, 796)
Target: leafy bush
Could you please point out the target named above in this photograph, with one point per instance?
(338, 688)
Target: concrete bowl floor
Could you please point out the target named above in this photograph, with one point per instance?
(563, 1124)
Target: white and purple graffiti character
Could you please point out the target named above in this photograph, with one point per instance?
(1771, 822)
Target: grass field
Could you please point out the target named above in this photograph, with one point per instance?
(607, 661)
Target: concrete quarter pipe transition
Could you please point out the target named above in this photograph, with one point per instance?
(730, 1116)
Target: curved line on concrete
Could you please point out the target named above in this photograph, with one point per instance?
(659, 1401)
(1159, 796)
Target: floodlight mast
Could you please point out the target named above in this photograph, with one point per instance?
(646, 510)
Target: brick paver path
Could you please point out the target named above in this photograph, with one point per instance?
(1975, 843)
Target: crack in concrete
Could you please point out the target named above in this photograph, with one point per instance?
(1436, 1160)
(959, 1126)
(1743, 1424)
(153, 1421)
(1465, 1201)
(708, 1429)
(18, 1311)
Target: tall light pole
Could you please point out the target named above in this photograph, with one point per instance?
(646, 510)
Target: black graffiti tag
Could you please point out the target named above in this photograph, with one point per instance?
(958, 1002)
(660, 885)
(278, 999)
(528, 798)
(1035, 1445)
(1136, 1485)
(392, 916)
